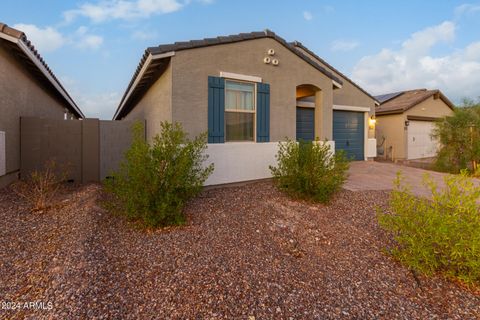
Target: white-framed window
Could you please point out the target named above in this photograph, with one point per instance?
(240, 107)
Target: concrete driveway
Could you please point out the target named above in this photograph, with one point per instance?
(371, 175)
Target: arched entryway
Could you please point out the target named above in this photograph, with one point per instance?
(307, 97)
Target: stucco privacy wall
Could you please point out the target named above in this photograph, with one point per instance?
(115, 139)
(155, 105)
(243, 161)
(191, 68)
(51, 139)
(240, 161)
(88, 149)
(20, 95)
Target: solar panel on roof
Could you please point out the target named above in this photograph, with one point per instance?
(385, 97)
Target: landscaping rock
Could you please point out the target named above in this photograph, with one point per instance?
(247, 252)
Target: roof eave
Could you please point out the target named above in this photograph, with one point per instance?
(54, 82)
(170, 50)
(18, 38)
(389, 112)
(446, 100)
(150, 57)
(301, 46)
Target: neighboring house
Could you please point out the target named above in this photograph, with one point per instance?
(27, 88)
(405, 120)
(249, 91)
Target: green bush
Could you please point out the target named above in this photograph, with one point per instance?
(155, 181)
(459, 136)
(441, 234)
(309, 170)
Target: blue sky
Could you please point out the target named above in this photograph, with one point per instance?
(94, 46)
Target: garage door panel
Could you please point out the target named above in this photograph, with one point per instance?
(420, 142)
(348, 133)
(305, 124)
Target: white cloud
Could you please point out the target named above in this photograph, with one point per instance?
(307, 15)
(44, 39)
(90, 41)
(147, 7)
(414, 66)
(422, 41)
(121, 9)
(49, 39)
(472, 51)
(466, 8)
(85, 40)
(144, 35)
(100, 105)
(343, 45)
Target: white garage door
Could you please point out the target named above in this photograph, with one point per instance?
(420, 142)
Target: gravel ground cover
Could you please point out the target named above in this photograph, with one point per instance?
(247, 252)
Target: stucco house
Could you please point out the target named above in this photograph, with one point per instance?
(249, 91)
(27, 88)
(405, 120)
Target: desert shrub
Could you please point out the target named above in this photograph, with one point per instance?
(459, 136)
(441, 234)
(309, 170)
(155, 180)
(40, 186)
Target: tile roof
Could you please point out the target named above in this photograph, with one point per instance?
(400, 102)
(19, 36)
(193, 44)
(385, 97)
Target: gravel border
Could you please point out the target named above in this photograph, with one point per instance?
(247, 252)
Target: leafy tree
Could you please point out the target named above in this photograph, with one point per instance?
(459, 136)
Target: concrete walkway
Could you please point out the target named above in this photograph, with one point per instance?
(371, 175)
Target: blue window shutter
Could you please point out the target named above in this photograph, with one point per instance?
(263, 112)
(216, 110)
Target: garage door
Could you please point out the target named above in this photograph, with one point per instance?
(305, 124)
(348, 133)
(420, 143)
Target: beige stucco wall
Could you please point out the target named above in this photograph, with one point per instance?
(156, 105)
(392, 127)
(20, 95)
(431, 108)
(191, 68)
(348, 95)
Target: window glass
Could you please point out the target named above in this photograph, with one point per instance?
(239, 126)
(239, 96)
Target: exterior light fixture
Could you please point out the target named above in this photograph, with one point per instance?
(371, 122)
(407, 123)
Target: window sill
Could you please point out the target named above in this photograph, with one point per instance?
(239, 142)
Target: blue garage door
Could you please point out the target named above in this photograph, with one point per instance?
(305, 124)
(348, 133)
